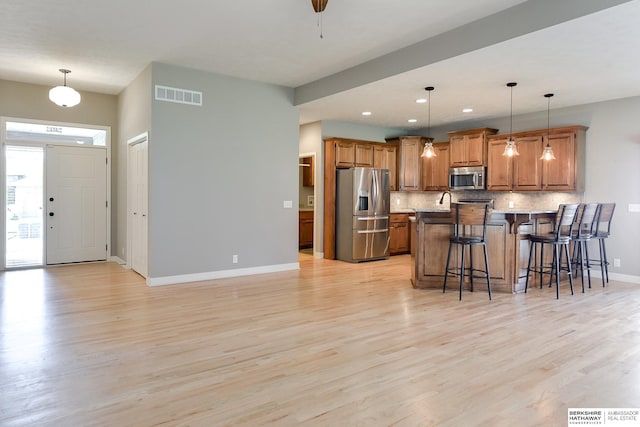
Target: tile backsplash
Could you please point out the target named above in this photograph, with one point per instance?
(520, 200)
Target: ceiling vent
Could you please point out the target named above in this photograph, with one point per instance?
(180, 96)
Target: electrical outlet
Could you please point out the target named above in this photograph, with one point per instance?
(511, 204)
(235, 259)
(616, 262)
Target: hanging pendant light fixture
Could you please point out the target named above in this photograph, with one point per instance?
(429, 151)
(318, 7)
(510, 148)
(547, 153)
(64, 96)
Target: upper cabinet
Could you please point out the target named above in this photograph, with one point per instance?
(527, 172)
(351, 154)
(384, 157)
(409, 161)
(435, 170)
(469, 147)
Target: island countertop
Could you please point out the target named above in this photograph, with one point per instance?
(507, 244)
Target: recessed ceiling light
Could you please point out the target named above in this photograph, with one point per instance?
(421, 101)
(467, 110)
(412, 120)
(366, 113)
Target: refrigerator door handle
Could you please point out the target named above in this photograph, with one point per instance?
(378, 230)
(371, 218)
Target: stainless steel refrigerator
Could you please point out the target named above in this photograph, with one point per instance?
(362, 214)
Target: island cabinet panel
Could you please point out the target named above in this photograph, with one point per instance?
(507, 246)
(384, 157)
(435, 170)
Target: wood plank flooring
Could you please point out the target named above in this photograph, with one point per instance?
(334, 344)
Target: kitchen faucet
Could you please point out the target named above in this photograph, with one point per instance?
(442, 198)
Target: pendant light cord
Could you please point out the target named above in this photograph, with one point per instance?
(320, 18)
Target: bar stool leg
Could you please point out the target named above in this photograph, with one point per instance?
(486, 268)
(541, 263)
(557, 260)
(566, 249)
(586, 251)
(446, 270)
(578, 246)
(526, 282)
(606, 260)
(461, 272)
(470, 266)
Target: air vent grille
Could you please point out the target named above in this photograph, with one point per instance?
(180, 96)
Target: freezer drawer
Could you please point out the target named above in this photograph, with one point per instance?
(369, 244)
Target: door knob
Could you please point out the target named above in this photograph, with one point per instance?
(51, 199)
(51, 213)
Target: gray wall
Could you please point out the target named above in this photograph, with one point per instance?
(359, 131)
(219, 175)
(134, 118)
(29, 101)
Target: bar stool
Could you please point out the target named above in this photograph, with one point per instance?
(583, 230)
(464, 216)
(559, 238)
(602, 229)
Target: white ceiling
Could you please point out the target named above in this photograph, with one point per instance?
(587, 58)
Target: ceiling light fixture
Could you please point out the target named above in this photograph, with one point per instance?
(366, 113)
(64, 96)
(429, 151)
(510, 148)
(318, 7)
(547, 153)
(421, 101)
(467, 110)
(412, 120)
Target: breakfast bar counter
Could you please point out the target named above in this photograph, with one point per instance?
(507, 245)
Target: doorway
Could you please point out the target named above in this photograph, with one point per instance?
(55, 193)
(137, 201)
(306, 204)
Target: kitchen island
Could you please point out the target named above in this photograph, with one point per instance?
(507, 245)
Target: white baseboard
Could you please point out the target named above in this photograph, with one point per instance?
(618, 277)
(118, 260)
(223, 274)
(318, 254)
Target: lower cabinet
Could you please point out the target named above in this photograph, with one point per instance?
(399, 233)
(305, 229)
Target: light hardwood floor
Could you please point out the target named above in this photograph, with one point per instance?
(334, 344)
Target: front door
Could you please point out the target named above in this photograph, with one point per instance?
(76, 201)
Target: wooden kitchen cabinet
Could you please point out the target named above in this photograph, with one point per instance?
(527, 172)
(518, 173)
(560, 174)
(305, 229)
(345, 152)
(409, 161)
(384, 157)
(435, 170)
(308, 171)
(399, 241)
(364, 155)
(468, 147)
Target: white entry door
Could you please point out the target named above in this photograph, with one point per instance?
(138, 202)
(76, 200)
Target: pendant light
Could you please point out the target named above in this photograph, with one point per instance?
(510, 149)
(318, 7)
(547, 153)
(64, 96)
(429, 151)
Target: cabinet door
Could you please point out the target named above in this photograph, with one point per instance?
(499, 168)
(364, 155)
(475, 149)
(559, 174)
(308, 171)
(409, 173)
(345, 154)
(305, 229)
(399, 238)
(385, 158)
(435, 170)
(527, 166)
(458, 151)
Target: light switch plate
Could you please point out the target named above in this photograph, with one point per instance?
(634, 207)
(310, 200)
(288, 204)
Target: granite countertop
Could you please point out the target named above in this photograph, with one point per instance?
(305, 209)
(402, 210)
(525, 211)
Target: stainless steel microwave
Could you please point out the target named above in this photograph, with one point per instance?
(468, 178)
